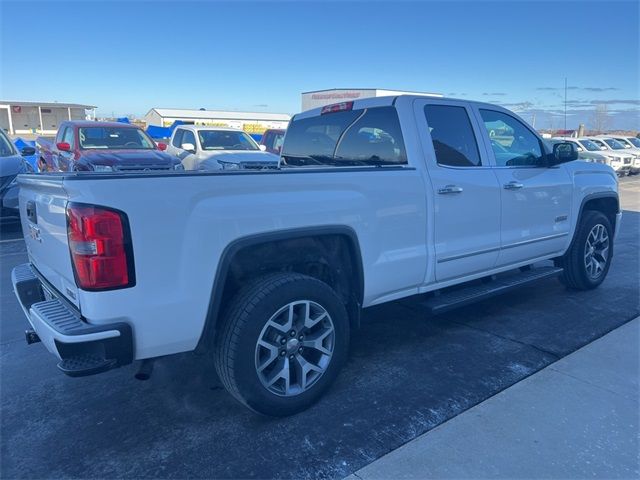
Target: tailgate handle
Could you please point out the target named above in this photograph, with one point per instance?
(31, 211)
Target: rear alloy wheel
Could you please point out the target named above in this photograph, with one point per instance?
(588, 259)
(295, 348)
(283, 341)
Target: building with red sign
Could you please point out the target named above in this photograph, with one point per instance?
(19, 118)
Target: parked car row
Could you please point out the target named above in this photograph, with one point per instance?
(111, 147)
(102, 147)
(619, 152)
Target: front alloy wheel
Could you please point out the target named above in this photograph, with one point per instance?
(586, 263)
(596, 251)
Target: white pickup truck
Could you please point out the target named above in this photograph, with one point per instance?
(375, 200)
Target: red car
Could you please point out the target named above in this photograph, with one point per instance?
(102, 147)
(272, 139)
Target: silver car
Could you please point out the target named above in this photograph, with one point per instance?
(218, 148)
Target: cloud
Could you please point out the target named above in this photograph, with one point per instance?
(615, 102)
(556, 89)
(262, 105)
(600, 89)
(493, 94)
(552, 116)
(518, 105)
(573, 87)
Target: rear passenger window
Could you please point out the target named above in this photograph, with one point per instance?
(350, 138)
(452, 134)
(177, 138)
(188, 137)
(374, 139)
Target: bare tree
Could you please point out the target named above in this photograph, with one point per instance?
(601, 118)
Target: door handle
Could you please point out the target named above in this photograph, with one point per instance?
(513, 186)
(449, 189)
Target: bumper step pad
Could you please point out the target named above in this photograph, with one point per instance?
(450, 299)
(82, 365)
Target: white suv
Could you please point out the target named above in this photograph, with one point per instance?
(631, 144)
(616, 151)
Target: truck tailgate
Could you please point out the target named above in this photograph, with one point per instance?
(43, 202)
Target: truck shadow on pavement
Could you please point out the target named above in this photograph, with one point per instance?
(406, 374)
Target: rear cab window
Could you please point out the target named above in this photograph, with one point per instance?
(452, 135)
(363, 137)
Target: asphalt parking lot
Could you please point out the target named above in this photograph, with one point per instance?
(407, 373)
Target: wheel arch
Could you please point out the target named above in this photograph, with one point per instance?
(220, 290)
(605, 202)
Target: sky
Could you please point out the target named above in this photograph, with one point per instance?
(127, 57)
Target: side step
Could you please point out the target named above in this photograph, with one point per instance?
(82, 365)
(448, 300)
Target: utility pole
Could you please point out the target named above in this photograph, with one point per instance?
(565, 106)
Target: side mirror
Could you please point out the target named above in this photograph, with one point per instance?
(262, 148)
(27, 151)
(162, 146)
(189, 147)
(564, 152)
(63, 146)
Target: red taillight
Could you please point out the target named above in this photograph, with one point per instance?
(100, 247)
(337, 107)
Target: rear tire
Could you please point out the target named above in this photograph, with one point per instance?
(588, 259)
(283, 341)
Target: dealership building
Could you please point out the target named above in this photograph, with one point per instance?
(320, 98)
(18, 117)
(250, 122)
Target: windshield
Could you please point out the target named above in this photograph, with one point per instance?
(625, 143)
(114, 138)
(634, 141)
(613, 144)
(6, 147)
(589, 145)
(599, 143)
(226, 140)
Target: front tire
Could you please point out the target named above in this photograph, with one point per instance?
(283, 341)
(587, 261)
